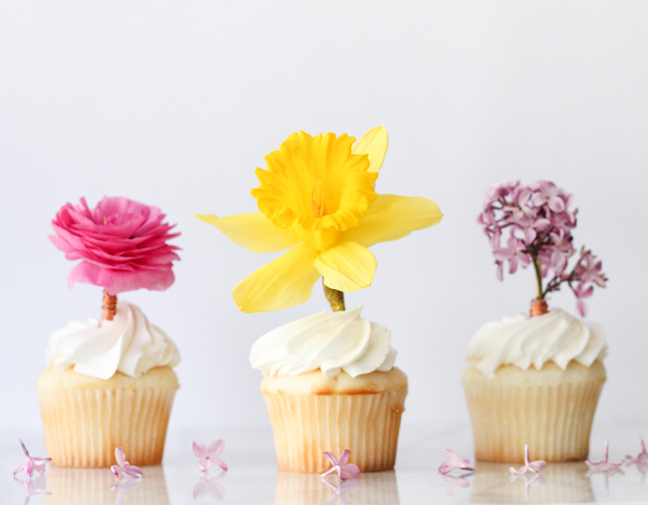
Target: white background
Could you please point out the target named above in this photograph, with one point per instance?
(175, 104)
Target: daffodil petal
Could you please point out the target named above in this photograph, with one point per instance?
(392, 217)
(347, 267)
(253, 231)
(282, 283)
(373, 143)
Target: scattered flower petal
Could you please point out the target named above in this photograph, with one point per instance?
(123, 468)
(642, 457)
(209, 454)
(31, 464)
(605, 464)
(454, 463)
(344, 470)
(535, 467)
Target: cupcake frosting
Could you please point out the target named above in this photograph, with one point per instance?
(524, 341)
(332, 342)
(128, 344)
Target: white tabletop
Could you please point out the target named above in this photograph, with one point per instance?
(253, 476)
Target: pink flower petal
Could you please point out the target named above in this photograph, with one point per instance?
(349, 471)
(538, 466)
(344, 457)
(120, 457)
(199, 449)
(331, 457)
(215, 448)
(204, 464)
(446, 467)
(220, 463)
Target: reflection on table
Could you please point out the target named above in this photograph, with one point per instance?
(559, 483)
(377, 488)
(84, 486)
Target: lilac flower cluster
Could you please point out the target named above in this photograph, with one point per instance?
(540, 226)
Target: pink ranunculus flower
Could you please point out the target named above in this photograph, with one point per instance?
(122, 244)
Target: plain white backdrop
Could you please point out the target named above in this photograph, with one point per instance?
(175, 104)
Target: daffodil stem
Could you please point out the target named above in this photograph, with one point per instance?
(335, 298)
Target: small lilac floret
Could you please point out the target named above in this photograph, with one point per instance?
(344, 470)
(535, 467)
(31, 464)
(454, 463)
(123, 469)
(605, 464)
(209, 454)
(642, 457)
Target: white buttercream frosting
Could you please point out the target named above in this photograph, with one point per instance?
(524, 341)
(332, 342)
(127, 344)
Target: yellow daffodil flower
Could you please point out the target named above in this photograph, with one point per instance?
(317, 197)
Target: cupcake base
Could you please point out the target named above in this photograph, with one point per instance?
(549, 409)
(311, 414)
(85, 419)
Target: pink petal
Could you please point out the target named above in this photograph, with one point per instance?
(120, 457)
(446, 467)
(203, 464)
(29, 467)
(344, 457)
(19, 469)
(331, 457)
(215, 448)
(22, 444)
(199, 449)
(538, 466)
(349, 471)
(132, 471)
(220, 463)
(521, 471)
(453, 457)
(464, 464)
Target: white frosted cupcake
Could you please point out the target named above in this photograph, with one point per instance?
(108, 384)
(330, 384)
(536, 381)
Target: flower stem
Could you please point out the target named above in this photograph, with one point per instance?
(334, 297)
(109, 308)
(538, 272)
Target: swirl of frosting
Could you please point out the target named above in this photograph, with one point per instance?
(128, 344)
(332, 342)
(524, 341)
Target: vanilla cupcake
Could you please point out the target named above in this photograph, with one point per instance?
(109, 383)
(536, 379)
(329, 383)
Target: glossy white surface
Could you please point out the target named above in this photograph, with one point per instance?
(253, 477)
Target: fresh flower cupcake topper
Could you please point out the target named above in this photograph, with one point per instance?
(317, 199)
(122, 246)
(540, 225)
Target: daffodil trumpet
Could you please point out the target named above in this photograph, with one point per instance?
(317, 199)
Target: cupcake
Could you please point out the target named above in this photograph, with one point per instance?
(536, 379)
(329, 380)
(110, 383)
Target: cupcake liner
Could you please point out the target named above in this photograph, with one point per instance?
(554, 419)
(307, 425)
(84, 426)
